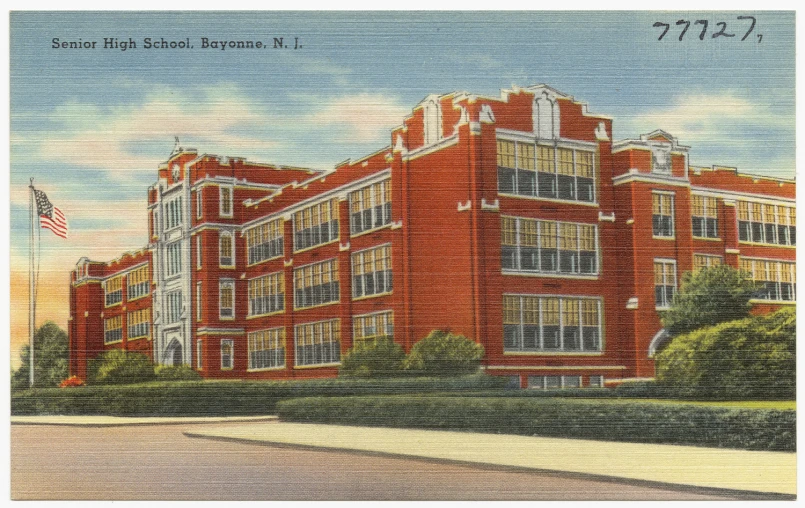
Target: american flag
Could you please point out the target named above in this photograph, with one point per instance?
(50, 217)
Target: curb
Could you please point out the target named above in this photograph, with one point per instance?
(139, 421)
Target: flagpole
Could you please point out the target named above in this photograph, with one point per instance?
(31, 302)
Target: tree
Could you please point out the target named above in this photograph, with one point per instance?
(442, 353)
(707, 297)
(50, 359)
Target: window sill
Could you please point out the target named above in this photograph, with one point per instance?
(551, 200)
(113, 342)
(137, 298)
(256, 316)
(113, 305)
(369, 297)
(761, 244)
(225, 318)
(267, 369)
(317, 306)
(317, 245)
(316, 366)
(370, 231)
(707, 239)
(655, 237)
(662, 308)
(229, 267)
(553, 353)
(550, 275)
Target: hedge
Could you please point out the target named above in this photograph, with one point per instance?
(752, 358)
(630, 421)
(216, 398)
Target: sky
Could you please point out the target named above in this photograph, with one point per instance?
(92, 125)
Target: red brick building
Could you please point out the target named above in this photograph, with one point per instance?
(516, 221)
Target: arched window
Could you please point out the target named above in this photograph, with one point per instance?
(546, 117)
(432, 121)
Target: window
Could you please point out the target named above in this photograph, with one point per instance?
(664, 283)
(316, 225)
(113, 290)
(198, 301)
(174, 258)
(371, 272)
(596, 382)
(531, 245)
(265, 241)
(701, 261)
(267, 294)
(227, 354)
(198, 251)
(318, 343)
(550, 323)
(432, 121)
(778, 279)
(199, 203)
(173, 307)
(316, 284)
(766, 223)
(225, 201)
(663, 215)
(370, 207)
(226, 299)
(200, 354)
(526, 169)
(154, 224)
(138, 283)
(139, 322)
(113, 329)
(554, 382)
(704, 216)
(226, 247)
(173, 213)
(373, 326)
(267, 349)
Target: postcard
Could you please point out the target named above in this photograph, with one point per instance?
(403, 255)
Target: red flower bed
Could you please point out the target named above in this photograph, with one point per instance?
(71, 381)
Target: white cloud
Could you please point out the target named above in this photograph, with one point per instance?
(725, 128)
(115, 139)
(361, 118)
(706, 118)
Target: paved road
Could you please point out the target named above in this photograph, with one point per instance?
(159, 462)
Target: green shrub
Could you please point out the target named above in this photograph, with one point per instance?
(116, 367)
(752, 358)
(707, 297)
(443, 354)
(211, 398)
(175, 373)
(630, 421)
(379, 358)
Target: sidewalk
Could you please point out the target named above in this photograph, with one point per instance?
(114, 421)
(738, 470)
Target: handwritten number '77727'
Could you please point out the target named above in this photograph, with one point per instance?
(722, 32)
